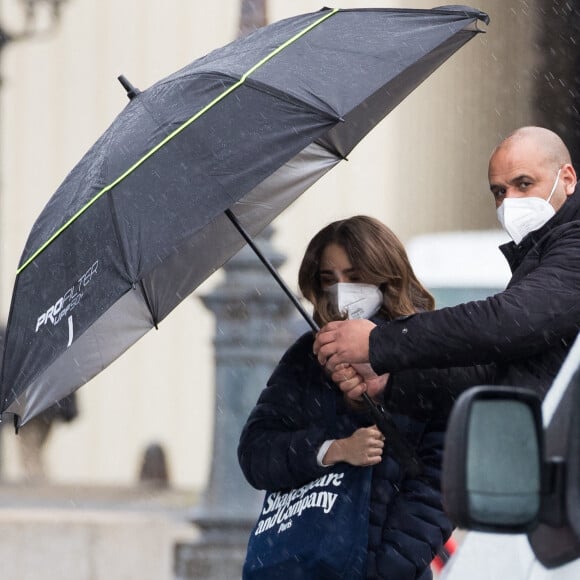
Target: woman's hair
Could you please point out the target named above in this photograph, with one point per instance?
(378, 257)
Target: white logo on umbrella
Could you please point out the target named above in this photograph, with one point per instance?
(67, 302)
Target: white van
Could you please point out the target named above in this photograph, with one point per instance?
(512, 466)
(512, 471)
(460, 266)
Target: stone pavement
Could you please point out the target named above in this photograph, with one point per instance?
(91, 533)
(58, 532)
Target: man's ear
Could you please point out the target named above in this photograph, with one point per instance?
(569, 176)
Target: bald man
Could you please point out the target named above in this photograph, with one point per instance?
(517, 337)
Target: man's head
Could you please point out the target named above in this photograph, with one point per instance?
(530, 177)
(526, 163)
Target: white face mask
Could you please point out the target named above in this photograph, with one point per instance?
(521, 215)
(356, 300)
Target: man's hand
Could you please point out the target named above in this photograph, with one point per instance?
(363, 447)
(345, 341)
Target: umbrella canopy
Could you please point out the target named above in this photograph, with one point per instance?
(141, 221)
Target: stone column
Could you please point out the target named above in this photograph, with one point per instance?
(556, 79)
(255, 323)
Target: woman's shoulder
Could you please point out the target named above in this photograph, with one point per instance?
(298, 359)
(297, 373)
(302, 347)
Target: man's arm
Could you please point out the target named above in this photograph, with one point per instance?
(538, 311)
(533, 314)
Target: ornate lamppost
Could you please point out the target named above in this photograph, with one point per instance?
(39, 17)
(254, 317)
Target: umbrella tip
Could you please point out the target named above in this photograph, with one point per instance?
(131, 90)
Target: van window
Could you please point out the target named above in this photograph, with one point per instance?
(452, 296)
(460, 266)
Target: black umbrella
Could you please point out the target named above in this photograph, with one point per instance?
(239, 134)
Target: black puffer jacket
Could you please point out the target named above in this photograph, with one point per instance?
(518, 337)
(297, 412)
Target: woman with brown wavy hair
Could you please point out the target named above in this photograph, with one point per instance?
(378, 258)
(354, 267)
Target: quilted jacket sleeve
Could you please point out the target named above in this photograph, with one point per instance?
(282, 436)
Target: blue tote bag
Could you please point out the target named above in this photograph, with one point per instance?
(316, 532)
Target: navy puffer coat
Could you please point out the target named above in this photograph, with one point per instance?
(298, 411)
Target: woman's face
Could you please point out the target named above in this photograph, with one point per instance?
(335, 267)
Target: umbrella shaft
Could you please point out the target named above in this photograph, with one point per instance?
(272, 270)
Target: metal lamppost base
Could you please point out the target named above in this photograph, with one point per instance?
(218, 555)
(208, 562)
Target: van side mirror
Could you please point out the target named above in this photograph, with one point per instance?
(492, 466)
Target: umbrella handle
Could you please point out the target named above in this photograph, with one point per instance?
(400, 446)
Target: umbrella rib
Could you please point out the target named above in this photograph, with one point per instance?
(287, 43)
(169, 137)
